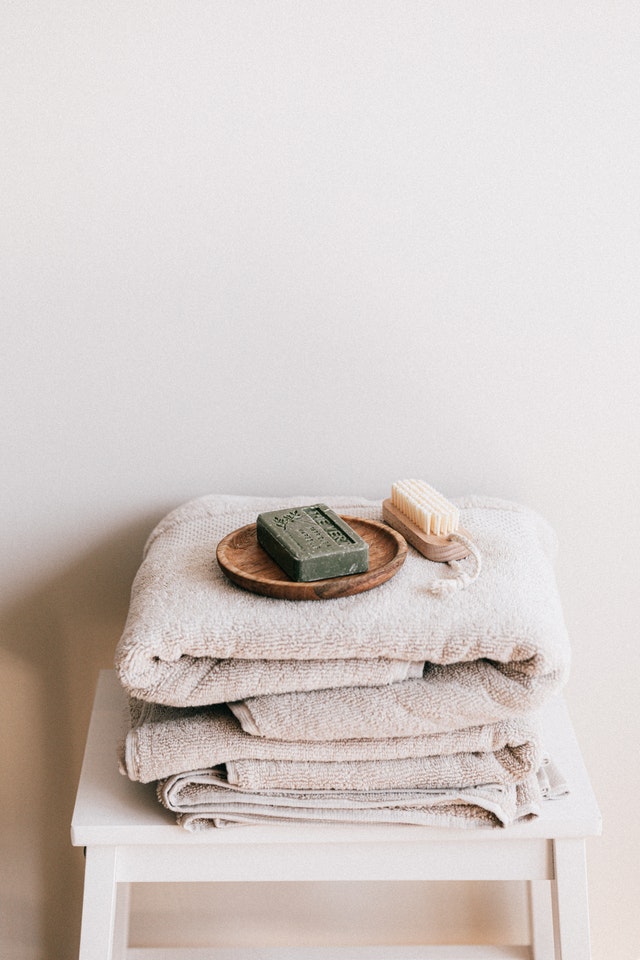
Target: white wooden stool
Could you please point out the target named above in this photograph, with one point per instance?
(129, 837)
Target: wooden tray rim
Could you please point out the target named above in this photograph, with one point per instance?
(330, 588)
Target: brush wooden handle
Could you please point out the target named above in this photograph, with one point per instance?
(440, 549)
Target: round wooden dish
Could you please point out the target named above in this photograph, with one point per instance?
(248, 565)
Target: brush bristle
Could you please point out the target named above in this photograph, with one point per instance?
(425, 507)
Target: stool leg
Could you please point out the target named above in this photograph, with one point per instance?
(121, 925)
(570, 900)
(541, 920)
(99, 904)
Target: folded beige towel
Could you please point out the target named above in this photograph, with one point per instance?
(469, 769)
(444, 698)
(203, 798)
(185, 615)
(162, 741)
(205, 680)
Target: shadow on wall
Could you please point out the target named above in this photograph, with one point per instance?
(53, 642)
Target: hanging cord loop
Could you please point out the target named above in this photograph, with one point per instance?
(445, 587)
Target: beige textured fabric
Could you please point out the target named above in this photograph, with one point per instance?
(203, 799)
(469, 769)
(185, 615)
(205, 680)
(162, 741)
(444, 698)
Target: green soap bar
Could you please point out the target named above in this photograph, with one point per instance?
(312, 543)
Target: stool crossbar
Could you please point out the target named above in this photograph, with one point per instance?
(130, 838)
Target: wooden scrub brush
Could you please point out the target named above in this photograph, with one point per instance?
(426, 520)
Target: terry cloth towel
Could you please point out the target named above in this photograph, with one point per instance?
(508, 765)
(444, 698)
(162, 741)
(203, 798)
(185, 615)
(205, 680)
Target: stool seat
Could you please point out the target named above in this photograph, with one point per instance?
(129, 837)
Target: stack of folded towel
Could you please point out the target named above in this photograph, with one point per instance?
(396, 705)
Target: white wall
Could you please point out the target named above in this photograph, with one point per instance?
(309, 247)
